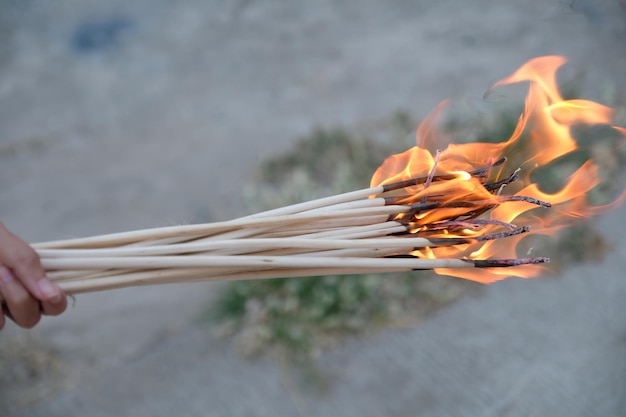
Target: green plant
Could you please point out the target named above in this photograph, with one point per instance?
(296, 317)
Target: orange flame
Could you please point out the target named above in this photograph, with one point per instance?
(545, 127)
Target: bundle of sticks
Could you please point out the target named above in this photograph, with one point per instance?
(372, 230)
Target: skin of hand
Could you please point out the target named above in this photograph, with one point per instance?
(24, 287)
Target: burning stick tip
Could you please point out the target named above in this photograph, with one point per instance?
(500, 161)
(503, 263)
(530, 200)
(495, 236)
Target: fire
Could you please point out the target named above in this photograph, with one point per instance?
(542, 135)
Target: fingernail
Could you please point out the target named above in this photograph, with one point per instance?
(49, 291)
(6, 276)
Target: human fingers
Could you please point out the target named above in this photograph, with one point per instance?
(3, 311)
(21, 306)
(50, 308)
(24, 262)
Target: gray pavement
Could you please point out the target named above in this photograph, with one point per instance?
(122, 115)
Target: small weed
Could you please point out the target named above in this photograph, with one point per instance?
(296, 317)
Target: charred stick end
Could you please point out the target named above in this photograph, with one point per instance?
(526, 199)
(485, 169)
(451, 241)
(497, 185)
(494, 236)
(503, 263)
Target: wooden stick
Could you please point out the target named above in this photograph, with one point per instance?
(321, 202)
(372, 202)
(68, 275)
(74, 274)
(252, 245)
(157, 262)
(336, 253)
(172, 274)
(212, 228)
(194, 274)
(360, 232)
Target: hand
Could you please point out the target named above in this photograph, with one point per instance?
(24, 287)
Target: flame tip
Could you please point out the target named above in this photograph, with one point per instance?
(458, 192)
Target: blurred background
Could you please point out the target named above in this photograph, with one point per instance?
(122, 115)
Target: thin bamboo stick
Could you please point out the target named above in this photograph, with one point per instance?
(195, 274)
(321, 202)
(252, 245)
(155, 262)
(199, 275)
(68, 275)
(218, 227)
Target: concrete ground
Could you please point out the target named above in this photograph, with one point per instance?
(122, 115)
